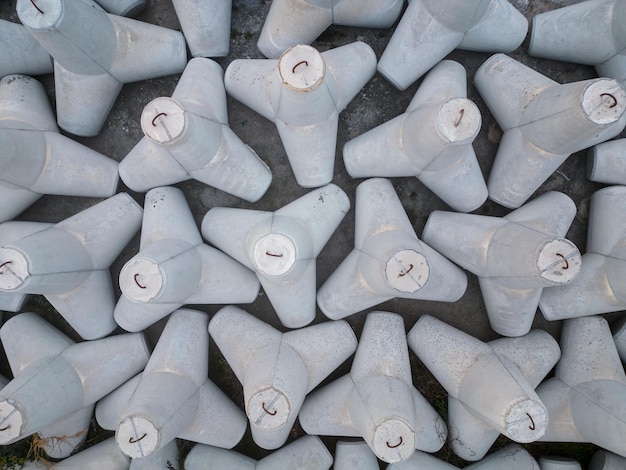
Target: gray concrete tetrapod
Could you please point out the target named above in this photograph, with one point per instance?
(206, 26)
(587, 396)
(55, 378)
(430, 29)
(600, 287)
(544, 122)
(490, 385)
(432, 141)
(604, 460)
(289, 22)
(511, 457)
(21, 52)
(95, 53)
(187, 136)
(303, 93)
(281, 246)
(377, 400)
(174, 267)
(388, 260)
(277, 369)
(173, 397)
(36, 159)
(606, 162)
(102, 456)
(307, 452)
(515, 257)
(591, 32)
(350, 455)
(69, 262)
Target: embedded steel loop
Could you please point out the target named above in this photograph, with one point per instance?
(564, 259)
(395, 445)
(612, 97)
(273, 254)
(36, 6)
(5, 428)
(4, 264)
(156, 117)
(134, 441)
(458, 121)
(532, 422)
(293, 70)
(406, 272)
(137, 282)
(271, 413)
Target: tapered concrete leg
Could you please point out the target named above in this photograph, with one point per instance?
(354, 454)
(558, 463)
(166, 458)
(22, 52)
(61, 439)
(429, 30)
(106, 454)
(606, 162)
(604, 460)
(130, 8)
(206, 26)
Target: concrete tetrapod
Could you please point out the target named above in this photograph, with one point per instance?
(206, 26)
(174, 267)
(281, 246)
(515, 257)
(606, 162)
(377, 400)
(55, 378)
(430, 29)
(173, 397)
(388, 260)
(350, 455)
(511, 457)
(277, 369)
(432, 141)
(599, 288)
(95, 53)
(21, 52)
(289, 22)
(544, 122)
(490, 385)
(307, 452)
(591, 32)
(36, 159)
(586, 399)
(69, 262)
(187, 136)
(303, 93)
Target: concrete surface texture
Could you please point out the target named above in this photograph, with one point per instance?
(377, 102)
